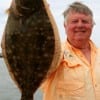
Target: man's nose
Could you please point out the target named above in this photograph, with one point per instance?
(80, 24)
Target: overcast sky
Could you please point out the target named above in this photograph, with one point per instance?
(57, 7)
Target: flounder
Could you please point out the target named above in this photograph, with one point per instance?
(30, 44)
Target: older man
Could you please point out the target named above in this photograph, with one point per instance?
(78, 75)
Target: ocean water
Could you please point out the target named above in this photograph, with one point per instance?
(8, 89)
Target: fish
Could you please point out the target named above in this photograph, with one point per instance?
(31, 44)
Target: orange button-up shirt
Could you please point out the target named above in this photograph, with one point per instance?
(74, 78)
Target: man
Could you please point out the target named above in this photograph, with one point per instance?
(78, 75)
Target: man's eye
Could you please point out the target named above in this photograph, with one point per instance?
(84, 21)
(74, 21)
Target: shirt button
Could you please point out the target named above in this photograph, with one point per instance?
(60, 96)
(95, 85)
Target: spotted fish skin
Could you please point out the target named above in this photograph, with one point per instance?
(29, 45)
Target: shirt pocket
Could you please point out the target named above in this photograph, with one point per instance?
(66, 89)
(73, 83)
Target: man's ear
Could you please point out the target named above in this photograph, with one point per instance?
(64, 24)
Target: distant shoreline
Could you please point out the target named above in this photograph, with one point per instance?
(1, 55)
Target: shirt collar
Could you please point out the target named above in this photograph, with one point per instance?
(72, 48)
(70, 52)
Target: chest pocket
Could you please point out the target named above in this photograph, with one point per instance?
(72, 83)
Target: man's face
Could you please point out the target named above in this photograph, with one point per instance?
(78, 28)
